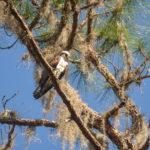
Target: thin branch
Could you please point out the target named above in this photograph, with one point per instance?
(8, 99)
(141, 51)
(9, 143)
(38, 27)
(103, 52)
(81, 25)
(75, 61)
(89, 5)
(2, 137)
(7, 32)
(102, 13)
(115, 67)
(143, 63)
(114, 110)
(10, 45)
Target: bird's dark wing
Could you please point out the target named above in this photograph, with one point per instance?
(55, 61)
(45, 84)
(40, 91)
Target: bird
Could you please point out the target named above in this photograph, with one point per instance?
(60, 66)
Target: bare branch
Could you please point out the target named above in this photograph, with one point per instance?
(10, 45)
(11, 138)
(141, 51)
(104, 12)
(89, 5)
(114, 110)
(81, 25)
(143, 63)
(115, 67)
(7, 100)
(39, 15)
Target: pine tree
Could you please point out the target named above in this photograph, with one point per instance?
(109, 45)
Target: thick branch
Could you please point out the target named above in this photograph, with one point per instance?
(35, 51)
(28, 122)
(119, 91)
(146, 144)
(38, 16)
(74, 24)
(63, 22)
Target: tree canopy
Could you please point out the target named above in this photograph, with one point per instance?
(108, 42)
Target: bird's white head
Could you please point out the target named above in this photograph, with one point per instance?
(66, 53)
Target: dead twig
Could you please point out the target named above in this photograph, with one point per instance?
(4, 102)
(8, 47)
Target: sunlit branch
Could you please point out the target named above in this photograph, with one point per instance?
(81, 25)
(143, 63)
(114, 111)
(38, 27)
(35, 51)
(119, 91)
(128, 62)
(146, 144)
(29, 122)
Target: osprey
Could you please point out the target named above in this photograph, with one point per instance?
(60, 66)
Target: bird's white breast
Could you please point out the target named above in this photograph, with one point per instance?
(62, 64)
